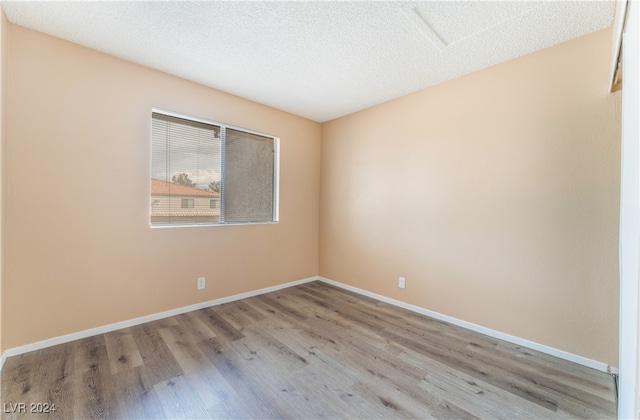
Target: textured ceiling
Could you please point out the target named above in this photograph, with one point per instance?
(319, 60)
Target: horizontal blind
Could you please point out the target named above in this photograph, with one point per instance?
(185, 163)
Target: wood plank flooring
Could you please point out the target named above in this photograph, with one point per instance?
(309, 351)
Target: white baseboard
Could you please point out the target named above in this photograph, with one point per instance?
(478, 328)
(141, 320)
(153, 317)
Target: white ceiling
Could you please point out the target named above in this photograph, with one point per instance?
(319, 60)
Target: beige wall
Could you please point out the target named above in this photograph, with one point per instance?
(3, 127)
(496, 195)
(80, 251)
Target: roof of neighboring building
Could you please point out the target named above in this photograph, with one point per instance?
(169, 188)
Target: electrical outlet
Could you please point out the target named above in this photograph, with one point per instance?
(401, 282)
(200, 284)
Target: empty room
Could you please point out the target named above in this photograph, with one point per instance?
(363, 209)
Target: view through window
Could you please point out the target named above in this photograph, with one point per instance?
(210, 173)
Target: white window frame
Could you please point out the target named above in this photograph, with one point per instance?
(276, 171)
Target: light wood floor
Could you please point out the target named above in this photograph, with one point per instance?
(310, 351)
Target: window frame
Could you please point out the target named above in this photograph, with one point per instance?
(223, 126)
(188, 201)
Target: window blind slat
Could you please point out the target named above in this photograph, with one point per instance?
(185, 161)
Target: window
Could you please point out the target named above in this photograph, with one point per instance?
(195, 162)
